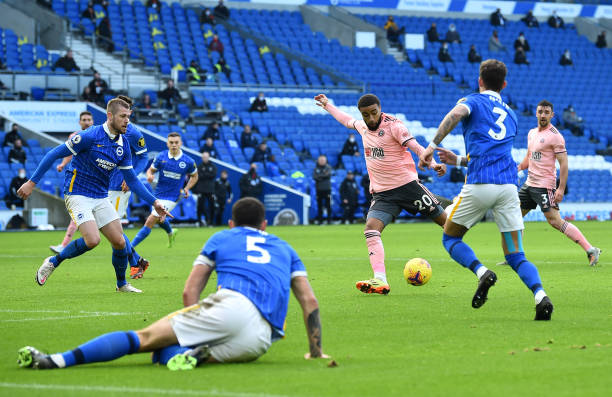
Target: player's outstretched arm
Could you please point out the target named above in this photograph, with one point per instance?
(60, 167)
(137, 187)
(26, 189)
(310, 308)
(195, 284)
(339, 115)
(450, 121)
(151, 174)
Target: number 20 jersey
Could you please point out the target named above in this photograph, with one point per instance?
(489, 133)
(258, 265)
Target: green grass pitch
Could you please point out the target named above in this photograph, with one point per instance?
(421, 341)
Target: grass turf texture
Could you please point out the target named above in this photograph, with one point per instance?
(415, 341)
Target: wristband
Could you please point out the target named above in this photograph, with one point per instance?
(432, 145)
(459, 159)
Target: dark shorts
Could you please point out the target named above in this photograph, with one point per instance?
(412, 197)
(531, 197)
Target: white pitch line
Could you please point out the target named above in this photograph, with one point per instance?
(33, 311)
(137, 390)
(69, 317)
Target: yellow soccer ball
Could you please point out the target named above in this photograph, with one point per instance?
(417, 271)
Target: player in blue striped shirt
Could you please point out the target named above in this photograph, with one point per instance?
(236, 323)
(97, 152)
(489, 129)
(173, 165)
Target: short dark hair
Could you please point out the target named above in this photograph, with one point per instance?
(85, 113)
(248, 211)
(545, 103)
(127, 99)
(493, 74)
(367, 100)
(174, 134)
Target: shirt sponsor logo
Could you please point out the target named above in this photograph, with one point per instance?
(182, 164)
(107, 165)
(375, 152)
(172, 175)
(536, 155)
(119, 151)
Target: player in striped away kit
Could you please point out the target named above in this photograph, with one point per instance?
(97, 152)
(236, 323)
(173, 165)
(394, 180)
(489, 128)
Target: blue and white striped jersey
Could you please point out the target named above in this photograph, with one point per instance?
(138, 150)
(172, 171)
(489, 133)
(96, 154)
(258, 265)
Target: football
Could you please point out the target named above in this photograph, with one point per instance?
(417, 271)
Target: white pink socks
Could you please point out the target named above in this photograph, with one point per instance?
(377, 254)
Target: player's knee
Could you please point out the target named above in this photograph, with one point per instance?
(92, 241)
(555, 222)
(118, 243)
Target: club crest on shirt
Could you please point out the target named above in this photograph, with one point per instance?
(381, 132)
(119, 151)
(542, 140)
(182, 164)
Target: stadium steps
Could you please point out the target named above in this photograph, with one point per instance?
(106, 63)
(397, 54)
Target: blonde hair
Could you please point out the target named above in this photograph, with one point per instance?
(114, 104)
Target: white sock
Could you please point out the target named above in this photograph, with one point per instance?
(481, 271)
(381, 276)
(539, 296)
(58, 359)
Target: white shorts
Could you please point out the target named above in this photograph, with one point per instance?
(228, 322)
(120, 201)
(83, 209)
(472, 204)
(169, 205)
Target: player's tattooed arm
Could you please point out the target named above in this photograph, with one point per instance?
(450, 121)
(314, 333)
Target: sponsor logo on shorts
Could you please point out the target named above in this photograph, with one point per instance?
(80, 216)
(375, 152)
(182, 164)
(119, 151)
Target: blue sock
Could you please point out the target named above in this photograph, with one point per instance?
(131, 259)
(120, 262)
(162, 356)
(141, 235)
(166, 226)
(526, 271)
(461, 252)
(75, 248)
(103, 348)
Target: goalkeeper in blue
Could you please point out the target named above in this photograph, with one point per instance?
(489, 128)
(236, 323)
(97, 152)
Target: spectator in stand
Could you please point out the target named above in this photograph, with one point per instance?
(17, 154)
(497, 19)
(212, 132)
(432, 33)
(247, 139)
(522, 42)
(393, 31)
(12, 136)
(250, 183)
(443, 54)
(156, 4)
(520, 58)
(66, 62)
(452, 36)
(365, 185)
(98, 88)
(262, 153)
(195, 74)
(104, 32)
(566, 58)
(349, 194)
(322, 176)
(222, 67)
(2, 86)
(207, 17)
(555, 21)
(170, 95)
(572, 121)
(350, 148)
(473, 55)
(601, 40)
(209, 147)
(88, 96)
(223, 196)
(145, 103)
(530, 20)
(259, 104)
(205, 189)
(89, 13)
(221, 11)
(216, 45)
(12, 199)
(494, 44)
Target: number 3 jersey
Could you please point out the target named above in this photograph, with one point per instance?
(258, 265)
(489, 133)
